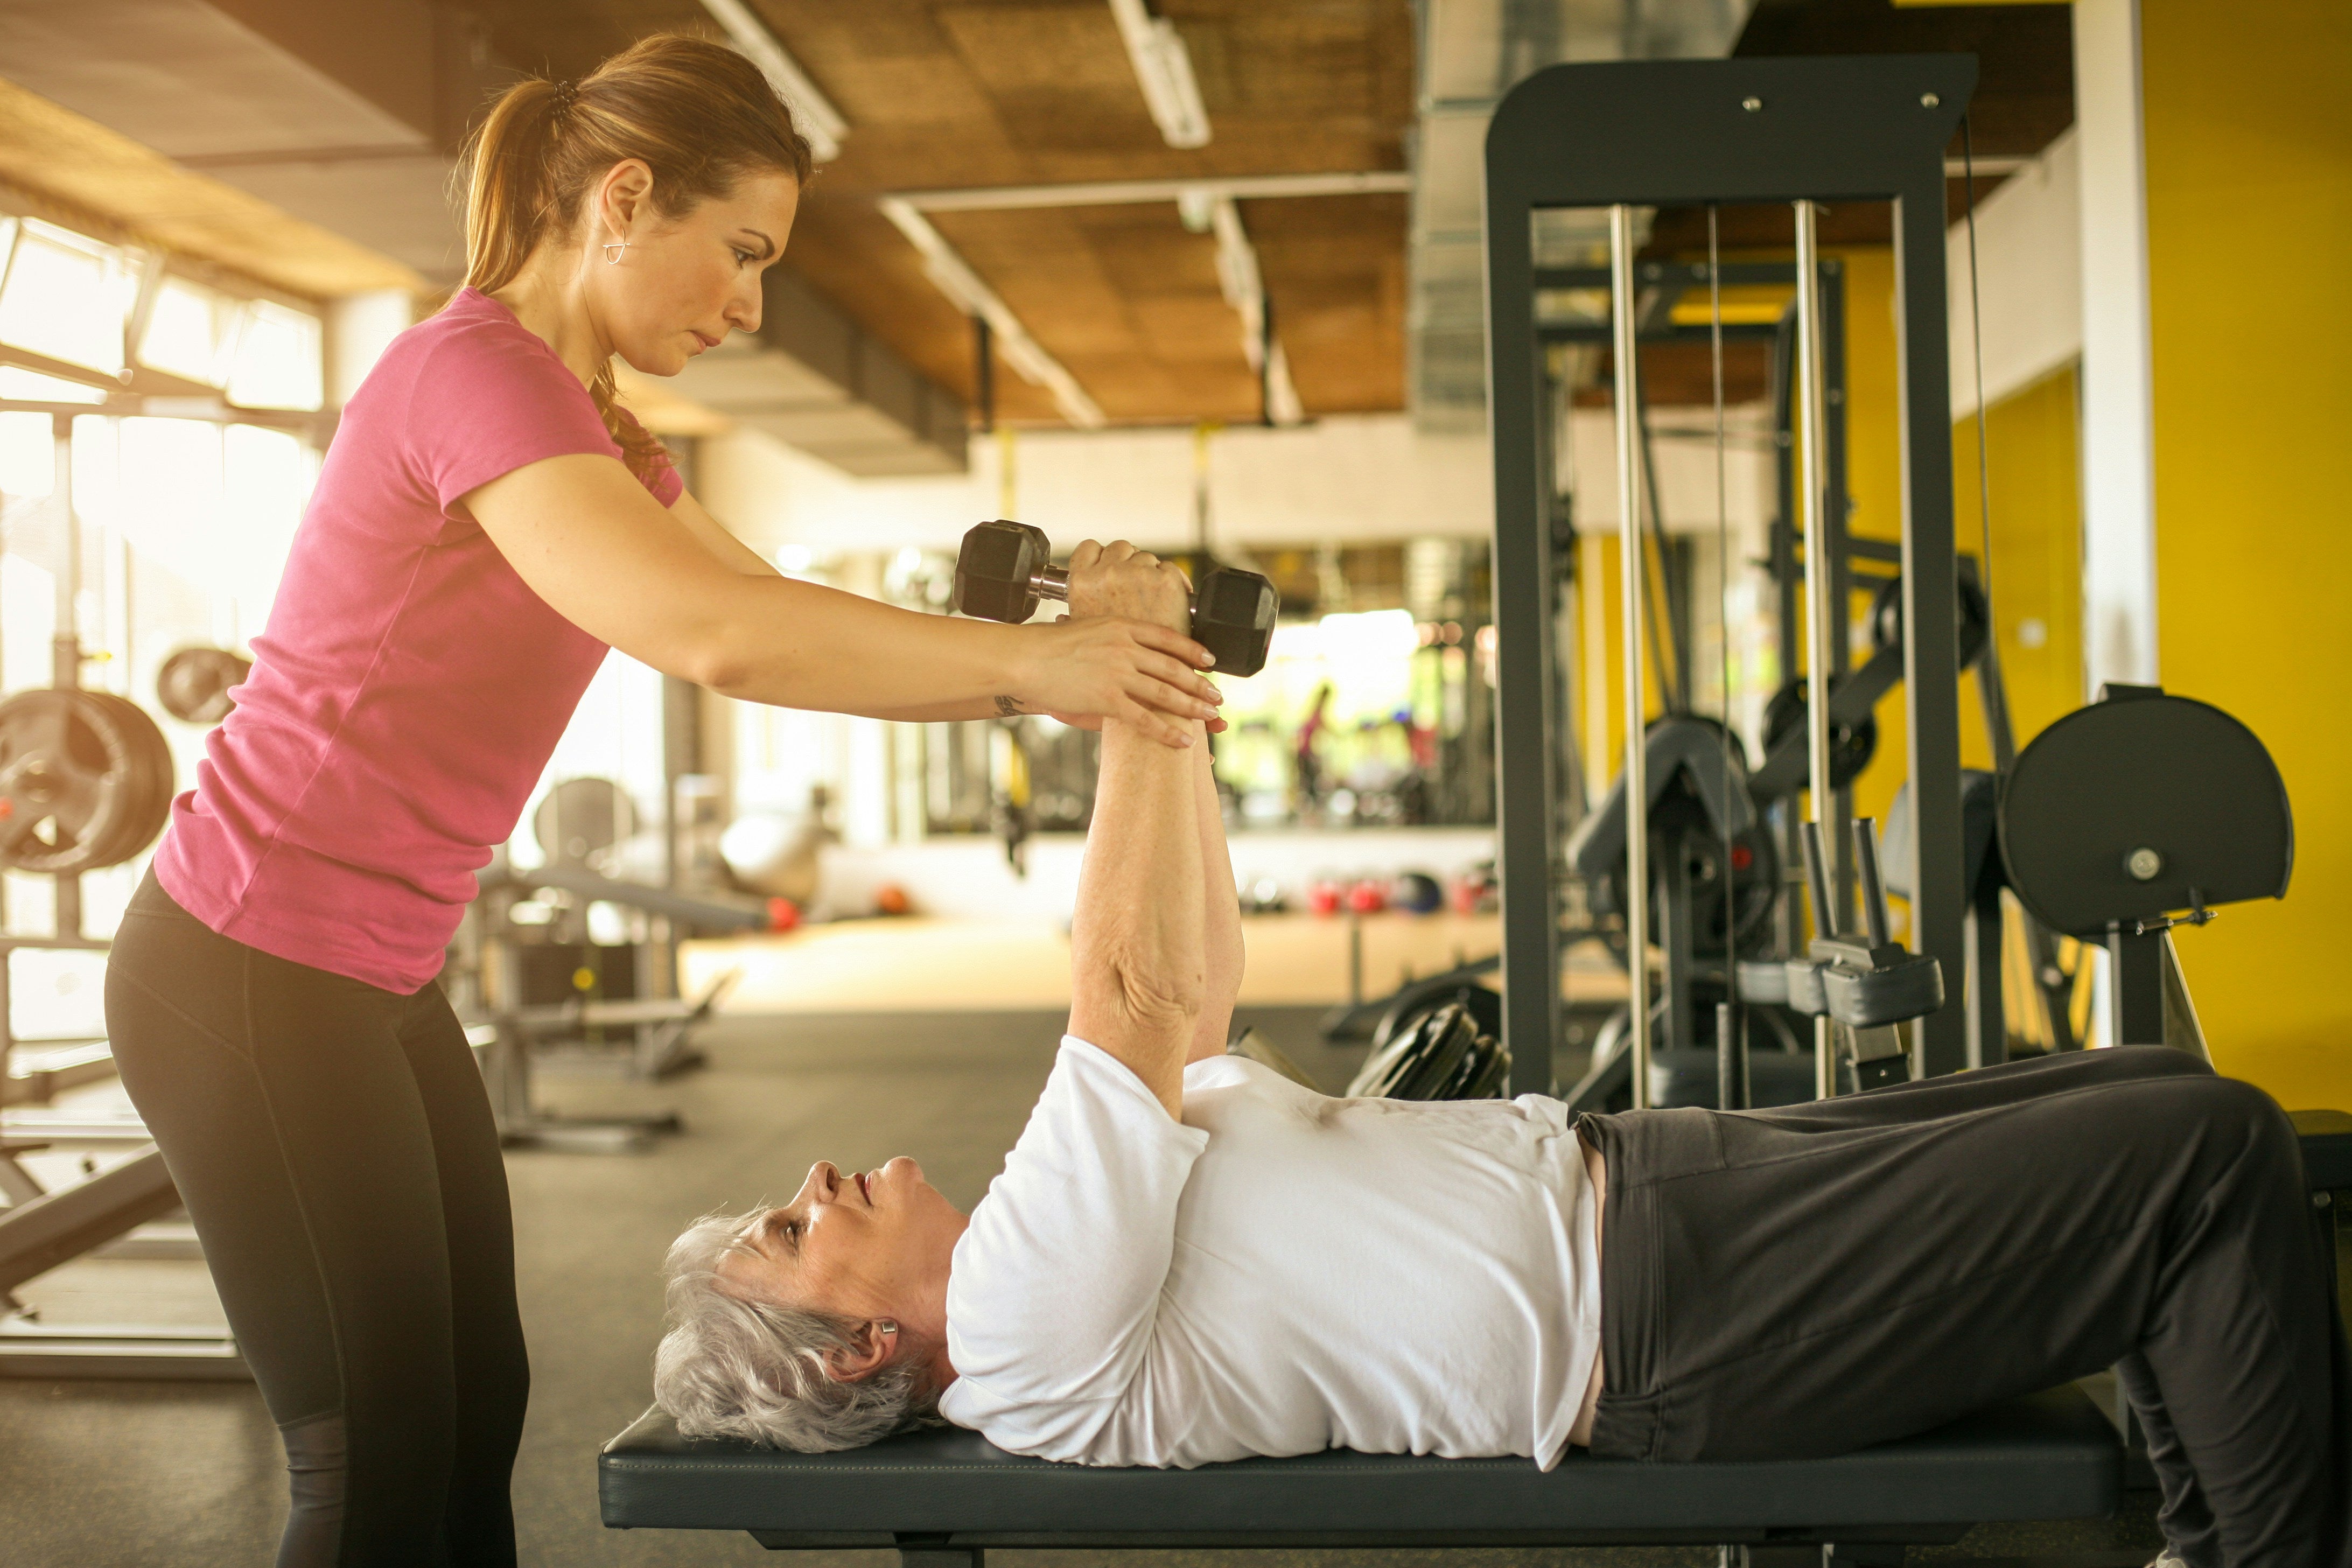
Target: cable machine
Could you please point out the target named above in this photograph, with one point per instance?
(1703, 132)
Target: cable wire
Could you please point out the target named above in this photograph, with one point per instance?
(1731, 1016)
(1976, 348)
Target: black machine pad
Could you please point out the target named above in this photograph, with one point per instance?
(2052, 1456)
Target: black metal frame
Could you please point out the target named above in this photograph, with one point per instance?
(1683, 133)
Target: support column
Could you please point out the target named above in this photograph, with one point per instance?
(2119, 630)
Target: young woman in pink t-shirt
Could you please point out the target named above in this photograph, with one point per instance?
(487, 524)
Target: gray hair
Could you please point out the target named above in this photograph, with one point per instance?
(735, 1366)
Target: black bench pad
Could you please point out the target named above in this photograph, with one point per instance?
(2052, 1456)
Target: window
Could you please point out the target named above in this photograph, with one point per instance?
(67, 296)
(32, 386)
(278, 357)
(191, 330)
(27, 457)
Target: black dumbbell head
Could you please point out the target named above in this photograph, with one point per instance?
(994, 569)
(1233, 617)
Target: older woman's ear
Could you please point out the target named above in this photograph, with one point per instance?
(869, 1348)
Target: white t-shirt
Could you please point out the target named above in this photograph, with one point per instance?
(1280, 1273)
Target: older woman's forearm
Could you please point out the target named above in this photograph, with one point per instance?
(1221, 917)
(1137, 952)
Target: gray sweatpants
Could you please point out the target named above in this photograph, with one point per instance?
(1809, 1280)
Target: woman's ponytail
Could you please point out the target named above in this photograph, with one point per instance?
(509, 163)
(700, 116)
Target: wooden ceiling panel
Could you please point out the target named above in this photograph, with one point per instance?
(1126, 297)
(1058, 75)
(1335, 267)
(943, 94)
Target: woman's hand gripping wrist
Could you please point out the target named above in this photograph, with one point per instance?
(1123, 655)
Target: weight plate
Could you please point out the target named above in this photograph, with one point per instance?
(194, 682)
(1851, 746)
(85, 781)
(1423, 997)
(153, 809)
(1886, 618)
(581, 817)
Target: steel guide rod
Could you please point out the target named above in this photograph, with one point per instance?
(1630, 552)
(1820, 623)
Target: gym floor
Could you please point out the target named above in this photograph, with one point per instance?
(101, 1474)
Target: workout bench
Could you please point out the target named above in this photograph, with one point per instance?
(943, 1497)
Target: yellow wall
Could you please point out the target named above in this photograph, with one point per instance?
(2249, 145)
(2037, 553)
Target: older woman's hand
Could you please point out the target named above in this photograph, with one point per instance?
(1117, 579)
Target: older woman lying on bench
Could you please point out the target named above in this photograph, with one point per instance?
(1189, 1258)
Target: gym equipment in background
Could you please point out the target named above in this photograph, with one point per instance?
(1439, 1052)
(86, 782)
(194, 684)
(779, 856)
(1876, 136)
(1863, 980)
(1004, 570)
(1699, 801)
(538, 992)
(1705, 837)
(2137, 815)
(582, 819)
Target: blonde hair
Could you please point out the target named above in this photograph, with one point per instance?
(700, 116)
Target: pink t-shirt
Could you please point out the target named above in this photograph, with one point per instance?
(410, 687)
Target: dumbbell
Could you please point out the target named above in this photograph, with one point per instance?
(1006, 568)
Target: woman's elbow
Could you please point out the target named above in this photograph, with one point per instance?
(709, 661)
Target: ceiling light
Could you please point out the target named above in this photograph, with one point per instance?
(952, 276)
(1163, 69)
(812, 112)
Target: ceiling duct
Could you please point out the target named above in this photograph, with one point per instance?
(342, 112)
(1472, 53)
(349, 113)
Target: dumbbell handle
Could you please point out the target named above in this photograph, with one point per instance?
(1050, 582)
(1053, 582)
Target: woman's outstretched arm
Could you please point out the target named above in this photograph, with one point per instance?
(590, 539)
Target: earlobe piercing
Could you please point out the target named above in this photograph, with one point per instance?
(612, 251)
(890, 1328)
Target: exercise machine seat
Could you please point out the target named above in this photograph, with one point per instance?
(2049, 1456)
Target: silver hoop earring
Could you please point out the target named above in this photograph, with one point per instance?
(612, 252)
